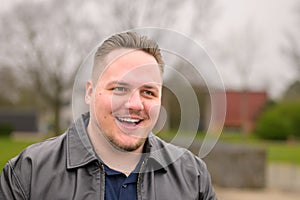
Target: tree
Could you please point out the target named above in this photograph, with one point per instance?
(292, 48)
(44, 42)
(39, 44)
(292, 52)
(292, 92)
(7, 87)
(242, 50)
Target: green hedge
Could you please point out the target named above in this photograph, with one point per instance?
(6, 129)
(280, 122)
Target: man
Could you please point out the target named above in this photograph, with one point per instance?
(110, 152)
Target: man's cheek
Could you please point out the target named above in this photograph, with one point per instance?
(154, 112)
(117, 102)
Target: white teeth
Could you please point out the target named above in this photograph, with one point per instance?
(129, 120)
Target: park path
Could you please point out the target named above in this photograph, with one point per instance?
(283, 182)
(285, 177)
(238, 194)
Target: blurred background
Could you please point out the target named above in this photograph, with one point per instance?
(255, 45)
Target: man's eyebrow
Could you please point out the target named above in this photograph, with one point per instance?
(118, 83)
(153, 87)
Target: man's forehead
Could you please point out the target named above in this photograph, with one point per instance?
(127, 53)
(135, 84)
(118, 53)
(132, 66)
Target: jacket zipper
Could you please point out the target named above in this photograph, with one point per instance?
(139, 194)
(102, 184)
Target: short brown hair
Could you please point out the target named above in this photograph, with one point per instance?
(129, 40)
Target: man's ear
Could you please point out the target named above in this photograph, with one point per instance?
(88, 92)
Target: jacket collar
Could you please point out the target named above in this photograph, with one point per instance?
(80, 151)
(79, 147)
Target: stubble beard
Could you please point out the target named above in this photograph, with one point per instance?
(123, 147)
(118, 145)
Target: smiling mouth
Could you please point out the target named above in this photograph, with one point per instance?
(129, 121)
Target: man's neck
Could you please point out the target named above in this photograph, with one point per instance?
(113, 157)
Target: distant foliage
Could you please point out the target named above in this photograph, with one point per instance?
(280, 122)
(6, 129)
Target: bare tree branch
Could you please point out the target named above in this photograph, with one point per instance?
(44, 42)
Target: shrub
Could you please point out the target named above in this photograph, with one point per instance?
(6, 129)
(279, 122)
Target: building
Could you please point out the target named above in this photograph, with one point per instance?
(243, 109)
(22, 122)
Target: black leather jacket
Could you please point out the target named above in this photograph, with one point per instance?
(66, 167)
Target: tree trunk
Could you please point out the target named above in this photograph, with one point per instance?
(56, 120)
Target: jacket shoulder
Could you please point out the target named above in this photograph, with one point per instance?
(180, 155)
(18, 172)
(40, 151)
(187, 170)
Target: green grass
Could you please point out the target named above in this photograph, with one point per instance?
(284, 153)
(10, 148)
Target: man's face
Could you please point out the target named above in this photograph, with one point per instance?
(125, 102)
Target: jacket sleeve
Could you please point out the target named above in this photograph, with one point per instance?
(10, 186)
(207, 191)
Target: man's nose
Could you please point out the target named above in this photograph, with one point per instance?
(135, 101)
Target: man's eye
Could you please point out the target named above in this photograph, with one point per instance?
(148, 93)
(120, 89)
